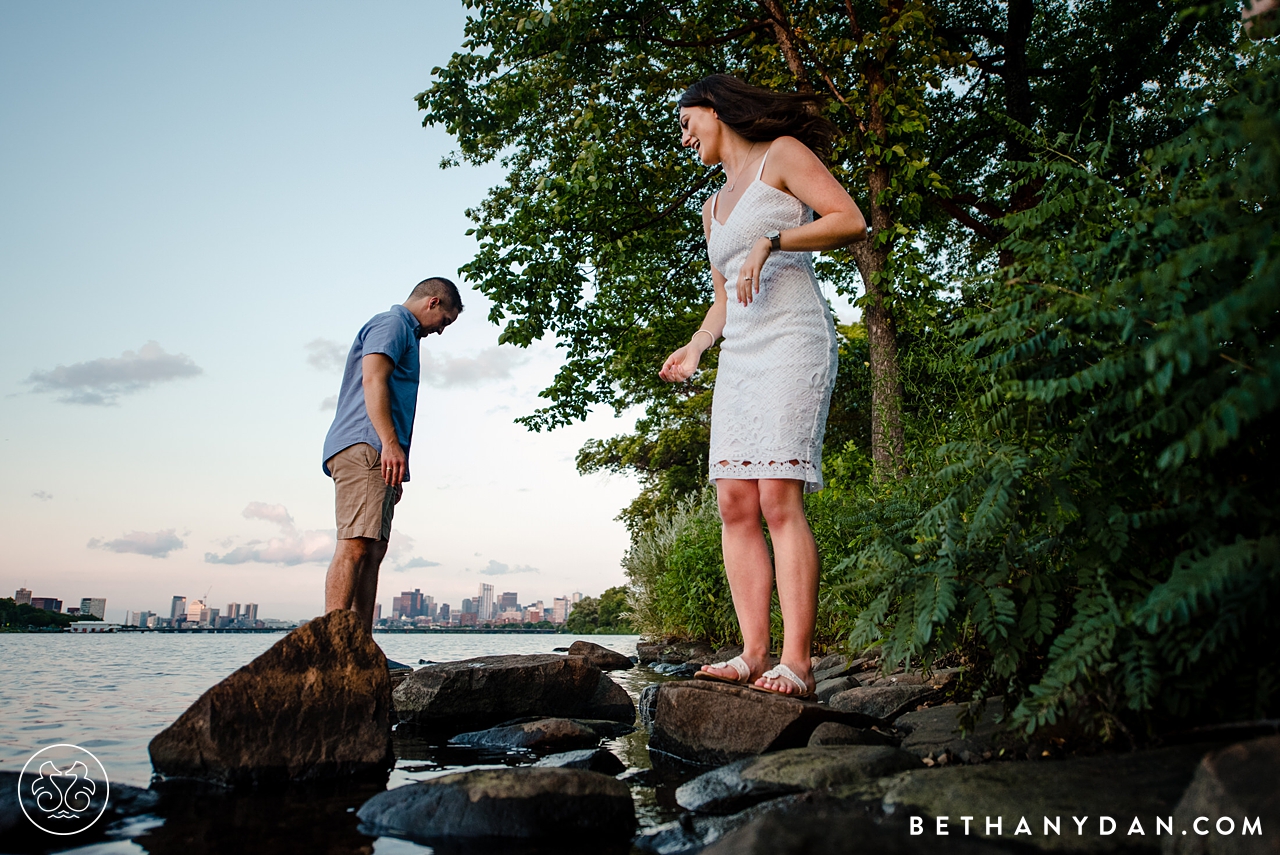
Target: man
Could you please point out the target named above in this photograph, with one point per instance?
(367, 449)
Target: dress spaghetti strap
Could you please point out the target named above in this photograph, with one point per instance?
(715, 200)
(762, 160)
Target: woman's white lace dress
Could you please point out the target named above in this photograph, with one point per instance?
(778, 357)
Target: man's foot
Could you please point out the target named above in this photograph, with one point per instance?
(784, 679)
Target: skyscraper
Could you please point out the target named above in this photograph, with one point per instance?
(233, 611)
(408, 605)
(22, 596)
(486, 602)
(96, 606)
(178, 609)
(443, 615)
(249, 612)
(510, 602)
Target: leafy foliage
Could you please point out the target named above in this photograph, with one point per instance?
(1107, 541)
(15, 616)
(608, 614)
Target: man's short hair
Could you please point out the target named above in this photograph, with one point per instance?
(438, 286)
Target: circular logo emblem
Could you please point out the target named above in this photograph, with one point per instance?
(63, 789)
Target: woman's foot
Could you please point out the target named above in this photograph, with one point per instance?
(788, 679)
(726, 672)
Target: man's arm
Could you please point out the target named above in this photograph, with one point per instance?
(375, 372)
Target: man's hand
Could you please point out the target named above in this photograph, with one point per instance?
(394, 463)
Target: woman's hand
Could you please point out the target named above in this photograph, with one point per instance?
(681, 364)
(749, 275)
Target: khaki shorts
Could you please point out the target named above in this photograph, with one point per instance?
(365, 502)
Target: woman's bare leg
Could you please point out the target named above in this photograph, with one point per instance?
(746, 561)
(796, 555)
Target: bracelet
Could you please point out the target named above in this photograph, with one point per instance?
(708, 332)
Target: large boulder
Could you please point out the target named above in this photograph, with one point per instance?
(601, 657)
(1237, 783)
(708, 723)
(935, 732)
(455, 696)
(548, 734)
(738, 785)
(316, 705)
(611, 702)
(835, 733)
(1105, 793)
(570, 806)
(883, 702)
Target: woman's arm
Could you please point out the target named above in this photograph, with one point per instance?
(681, 364)
(794, 169)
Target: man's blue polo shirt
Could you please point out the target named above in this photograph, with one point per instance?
(396, 334)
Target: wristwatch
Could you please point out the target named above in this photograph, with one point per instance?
(775, 239)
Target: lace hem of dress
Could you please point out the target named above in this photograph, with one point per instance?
(750, 470)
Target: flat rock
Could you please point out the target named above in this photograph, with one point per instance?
(883, 702)
(833, 667)
(599, 656)
(1144, 784)
(746, 782)
(548, 734)
(453, 696)
(591, 759)
(316, 705)
(1237, 782)
(570, 806)
(709, 723)
(672, 650)
(935, 731)
(835, 733)
(610, 701)
(827, 689)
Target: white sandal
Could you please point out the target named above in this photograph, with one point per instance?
(737, 663)
(782, 672)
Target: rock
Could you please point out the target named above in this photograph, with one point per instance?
(900, 680)
(739, 785)
(472, 693)
(648, 703)
(591, 759)
(570, 806)
(810, 823)
(393, 665)
(828, 688)
(672, 650)
(1237, 782)
(317, 704)
(833, 667)
(559, 650)
(19, 834)
(611, 702)
(882, 702)
(834, 733)
(677, 669)
(692, 832)
(709, 723)
(601, 657)
(548, 734)
(935, 731)
(1145, 785)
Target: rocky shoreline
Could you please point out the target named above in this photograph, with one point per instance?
(877, 763)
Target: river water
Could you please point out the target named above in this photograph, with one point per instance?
(111, 693)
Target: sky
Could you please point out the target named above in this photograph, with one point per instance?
(202, 204)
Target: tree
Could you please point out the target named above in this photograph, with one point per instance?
(608, 614)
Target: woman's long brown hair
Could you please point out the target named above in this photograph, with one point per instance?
(761, 115)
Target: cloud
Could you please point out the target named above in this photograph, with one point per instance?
(497, 568)
(326, 354)
(290, 547)
(329, 404)
(492, 363)
(416, 562)
(101, 381)
(156, 544)
(42, 495)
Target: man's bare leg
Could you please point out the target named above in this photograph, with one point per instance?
(367, 585)
(352, 580)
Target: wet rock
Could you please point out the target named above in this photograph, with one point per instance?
(811, 824)
(547, 734)
(592, 759)
(1144, 785)
(601, 657)
(703, 722)
(935, 732)
(826, 689)
(611, 702)
(691, 833)
(316, 705)
(834, 733)
(883, 702)
(480, 692)
(570, 806)
(19, 834)
(1237, 782)
(676, 669)
(738, 785)
(648, 703)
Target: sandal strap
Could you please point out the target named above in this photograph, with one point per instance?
(782, 672)
(738, 664)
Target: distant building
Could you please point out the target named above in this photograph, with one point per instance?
(49, 604)
(576, 597)
(377, 612)
(485, 610)
(73, 610)
(96, 606)
(559, 609)
(249, 613)
(510, 601)
(93, 626)
(194, 609)
(178, 610)
(233, 611)
(468, 608)
(467, 619)
(153, 621)
(408, 605)
(142, 619)
(443, 615)
(22, 596)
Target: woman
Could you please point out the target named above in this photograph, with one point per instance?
(778, 360)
